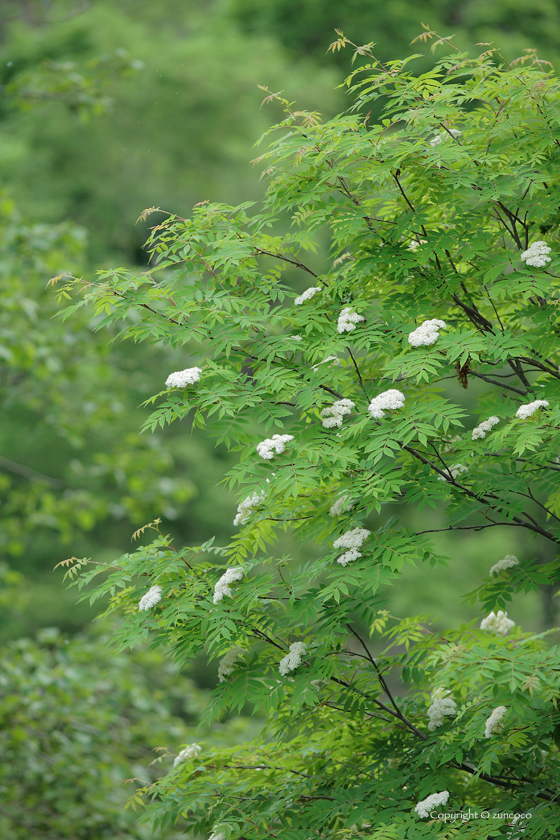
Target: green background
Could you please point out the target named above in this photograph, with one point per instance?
(106, 108)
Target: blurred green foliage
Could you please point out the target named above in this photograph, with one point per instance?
(178, 122)
(72, 458)
(306, 27)
(76, 722)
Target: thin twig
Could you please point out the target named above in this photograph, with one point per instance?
(355, 366)
(27, 472)
(499, 384)
(385, 686)
(295, 262)
(468, 528)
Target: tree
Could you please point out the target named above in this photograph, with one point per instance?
(345, 402)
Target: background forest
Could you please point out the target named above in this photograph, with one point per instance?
(109, 107)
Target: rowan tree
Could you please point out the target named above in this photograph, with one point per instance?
(345, 402)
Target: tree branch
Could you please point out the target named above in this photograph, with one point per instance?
(501, 507)
(27, 472)
(355, 366)
(295, 262)
(385, 686)
(469, 527)
(499, 384)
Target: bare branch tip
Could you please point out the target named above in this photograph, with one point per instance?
(145, 213)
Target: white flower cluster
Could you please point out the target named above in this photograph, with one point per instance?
(529, 409)
(292, 660)
(506, 563)
(340, 505)
(353, 540)
(433, 801)
(440, 707)
(307, 295)
(486, 425)
(415, 244)
(439, 138)
(246, 507)
(427, 333)
(185, 755)
(150, 599)
(499, 624)
(222, 587)
(455, 471)
(294, 337)
(450, 445)
(391, 399)
(277, 443)
(536, 254)
(217, 835)
(182, 378)
(227, 662)
(333, 414)
(348, 319)
(495, 721)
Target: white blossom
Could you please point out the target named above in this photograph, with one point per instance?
(506, 563)
(349, 556)
(307, 295)
(277, 443)
(455, 471)
(247, 506)
(529, 409)
(536, 254)
(415, 244)
(340, 505)
(352, 540)
(348, 319)
(346, 256)
(333, 414)
(182, 378)
(427, 333)
(222, 586)
(292, 660)
(217, 835)
(150, 599)
(439, 138)
(480, 431)
(227, 662)
(185, 755)
(391, 399)
(441, 706)
(294, 337)
(495, 721)
(449, 446)
(499, 624)
(434, 800)
(334, 359)
(440, 693)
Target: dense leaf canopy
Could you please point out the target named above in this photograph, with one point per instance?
(431, 215)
